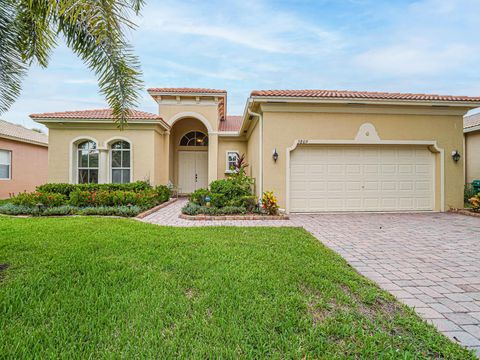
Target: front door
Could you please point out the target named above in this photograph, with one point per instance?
(192, 171)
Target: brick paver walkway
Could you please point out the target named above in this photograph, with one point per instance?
(429, 261)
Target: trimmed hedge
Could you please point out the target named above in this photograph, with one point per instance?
(64, 199)
(125, 211)
(66, 189)
(194, 209)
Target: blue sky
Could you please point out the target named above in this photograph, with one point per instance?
(430, 46)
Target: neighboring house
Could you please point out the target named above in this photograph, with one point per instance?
(471, 129)
(316, 150)
(23, 159)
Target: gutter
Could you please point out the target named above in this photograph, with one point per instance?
(260, 167)
(367, 101)
(471, 129)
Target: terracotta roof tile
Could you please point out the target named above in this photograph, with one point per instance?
(188, 90)
(21, 133)
(471, 121)
(96, 114)
(231, 123)
(346, 94)
(91, 114)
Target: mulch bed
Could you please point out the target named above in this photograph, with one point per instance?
(233, 217)
(467, 212)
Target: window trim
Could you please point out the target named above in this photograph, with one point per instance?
(88, 168)
(110, 155)
(227, 168)
(9, 165)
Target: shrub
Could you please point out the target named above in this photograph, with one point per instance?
(195, 209)
(163, 193)
(231, 210)
(232, 188)
(468, 192)
(66, 189)
(32, 199)
(269, 203)
(199, 195)
(218, 200)
(125, 211)
(190, 209)
(475, 202)
(11, 209)
(82, 198)
(59, 210)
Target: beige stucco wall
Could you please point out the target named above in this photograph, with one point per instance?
(391, 123)
(472, 156)
(28, 167)
(146, 161)
(207, 112)
(226, 144)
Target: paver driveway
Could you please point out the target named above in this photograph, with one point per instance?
(430, 261)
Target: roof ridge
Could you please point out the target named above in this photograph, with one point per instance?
(362, 94)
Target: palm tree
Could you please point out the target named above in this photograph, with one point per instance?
(93, 29)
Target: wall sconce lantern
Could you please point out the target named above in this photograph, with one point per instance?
(275, 155)
(455, 155)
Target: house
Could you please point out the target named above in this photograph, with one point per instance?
(471, 129)
(316, 150)
(23, 159)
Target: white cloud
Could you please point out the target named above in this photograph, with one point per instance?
(265, 29)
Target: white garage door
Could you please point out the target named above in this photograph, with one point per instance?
(361, 178)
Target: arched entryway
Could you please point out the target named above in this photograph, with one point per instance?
(189, 155)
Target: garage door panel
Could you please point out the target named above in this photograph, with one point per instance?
(361, 178)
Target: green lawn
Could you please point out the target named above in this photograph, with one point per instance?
(103, 288)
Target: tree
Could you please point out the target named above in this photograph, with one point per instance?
(93, 29)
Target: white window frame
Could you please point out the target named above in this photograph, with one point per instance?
(9, 165)
(227, 168)
(111, 150)
(87, 168)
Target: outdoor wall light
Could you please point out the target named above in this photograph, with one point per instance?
(275, 155)
(455, 155)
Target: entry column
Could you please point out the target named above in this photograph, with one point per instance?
(212, 157)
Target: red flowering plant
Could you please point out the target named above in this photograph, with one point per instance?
(270, 203)
(35, 198)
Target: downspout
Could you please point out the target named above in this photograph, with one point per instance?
(260, 167)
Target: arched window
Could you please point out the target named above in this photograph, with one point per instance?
(120, 164)
(194, 138)
(87, 162)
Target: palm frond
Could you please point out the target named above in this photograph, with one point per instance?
(12, 67)
(95, 32)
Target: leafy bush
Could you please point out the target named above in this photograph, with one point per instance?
(231, 210)
(195, 209)
(66, 189)
(82, 198)
(270, 203)
(32, 199)
(11, 209)
(218, 200)
(163, 193)
(232, 189)
(199, 195)
(125, 211)
(475, 202)
(468, 192)
(191, 209)
(59, 211)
